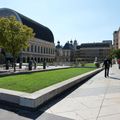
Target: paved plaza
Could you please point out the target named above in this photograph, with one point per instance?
(25, 68)
(97, 99)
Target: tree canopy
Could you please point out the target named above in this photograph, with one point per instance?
(14, 36)
(117, 53)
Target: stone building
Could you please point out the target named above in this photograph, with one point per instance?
(66, 53)
(116, 39)
(42, 47)
(88, 52)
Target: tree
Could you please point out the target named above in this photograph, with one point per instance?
(117, 53)
(112, 54)
(14, 36)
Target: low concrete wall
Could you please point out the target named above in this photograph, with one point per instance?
(39, 97)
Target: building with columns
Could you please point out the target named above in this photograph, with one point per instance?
(42, 47)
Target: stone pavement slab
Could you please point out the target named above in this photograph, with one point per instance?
(7, 115)
(97, 99)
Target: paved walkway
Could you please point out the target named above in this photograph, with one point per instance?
(97, 99)
(25, 69)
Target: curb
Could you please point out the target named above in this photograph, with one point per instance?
(40, 97)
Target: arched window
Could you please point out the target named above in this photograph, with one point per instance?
(31, 48)
(38, 49)
(49, 50)
(35, 48)
(44, 50)
(38, 60)
(41, 50)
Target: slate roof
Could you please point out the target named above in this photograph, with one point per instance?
(93, 45)
(68, 46)
(58, 46)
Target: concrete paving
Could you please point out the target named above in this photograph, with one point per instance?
(25, 68)
(97, 99)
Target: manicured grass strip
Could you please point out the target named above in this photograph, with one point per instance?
(39, 80)
(90, 65)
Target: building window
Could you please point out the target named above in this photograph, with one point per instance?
(41, 50)
(47, 50)
(51, 51)
(41, 59)
(35, 48)
(38, 49)
(44, 50)
(28, 49)
(31, 48)
(38, 60)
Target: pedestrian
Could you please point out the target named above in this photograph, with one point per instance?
(119, 63)
(35, 64)
(107, 63)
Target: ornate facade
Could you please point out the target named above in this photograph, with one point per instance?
(86, 52)
(66, 53)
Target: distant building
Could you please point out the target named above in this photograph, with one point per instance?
(107, 41)
(66, 53)
(116, 39)
(88, 52)
(42, 47)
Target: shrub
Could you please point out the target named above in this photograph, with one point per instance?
(97, 64)
(82, 64)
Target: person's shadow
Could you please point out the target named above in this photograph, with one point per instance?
(115, 78)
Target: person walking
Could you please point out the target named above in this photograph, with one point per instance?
(107, 63)
(119, 63)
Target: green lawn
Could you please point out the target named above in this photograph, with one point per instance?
(90, 65)
(35, 81)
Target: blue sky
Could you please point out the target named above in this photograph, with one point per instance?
(84, 20)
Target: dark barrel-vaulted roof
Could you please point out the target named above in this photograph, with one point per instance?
(40, 31)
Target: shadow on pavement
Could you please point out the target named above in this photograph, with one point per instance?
(34, 113)
(115, 78)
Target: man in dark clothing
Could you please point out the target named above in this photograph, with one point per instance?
(107, 63)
